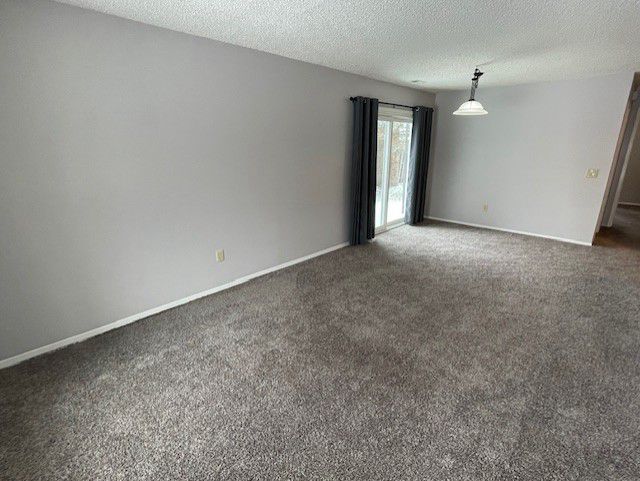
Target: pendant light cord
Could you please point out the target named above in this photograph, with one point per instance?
(474, 82)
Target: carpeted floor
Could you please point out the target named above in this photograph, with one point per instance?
(435, 353)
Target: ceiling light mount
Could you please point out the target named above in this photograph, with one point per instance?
(472, 106)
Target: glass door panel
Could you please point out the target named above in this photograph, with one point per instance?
(384, 139)
(394, 143)
(398, 170)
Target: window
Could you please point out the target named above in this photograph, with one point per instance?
(394, 144)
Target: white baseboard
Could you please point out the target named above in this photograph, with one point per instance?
(511, 231)
(150, 312)
(630, 204)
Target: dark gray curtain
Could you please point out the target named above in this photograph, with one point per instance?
(363, 180)
(418, 164)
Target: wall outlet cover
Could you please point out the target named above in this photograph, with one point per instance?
(220, 255)
(592, 173)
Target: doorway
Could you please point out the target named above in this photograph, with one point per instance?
(620, 216)
(392, 169)
(624, 151)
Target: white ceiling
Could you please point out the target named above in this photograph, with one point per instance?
(438, 42)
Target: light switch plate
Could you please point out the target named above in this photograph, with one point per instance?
(592, 173)
(220, 255)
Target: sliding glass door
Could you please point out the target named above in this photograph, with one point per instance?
(394, 144)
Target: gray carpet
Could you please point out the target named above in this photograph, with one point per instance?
(437, 352)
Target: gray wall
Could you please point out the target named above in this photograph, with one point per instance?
(130, 153)
(528, 158)
(631, 184)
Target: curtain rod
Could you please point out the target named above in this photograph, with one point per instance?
(389, 103)
(397, 105)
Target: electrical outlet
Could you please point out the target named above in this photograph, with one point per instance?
(592, 173)
(485, 208)
(220, 255)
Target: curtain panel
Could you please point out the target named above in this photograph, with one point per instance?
(418, 164)
(363, 181)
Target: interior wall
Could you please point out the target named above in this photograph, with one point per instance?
(527, 160)
(630, 193)
(129, 154)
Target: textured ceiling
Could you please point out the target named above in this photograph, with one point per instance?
(438, 42)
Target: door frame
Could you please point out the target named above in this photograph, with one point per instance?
(391, 114)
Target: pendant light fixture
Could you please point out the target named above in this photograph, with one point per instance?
(472, 106)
